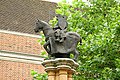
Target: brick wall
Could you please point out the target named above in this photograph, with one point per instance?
(20, 16)
(23, 44)
(17, 43)
(18, 71)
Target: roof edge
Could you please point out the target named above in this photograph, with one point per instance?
(20, 34)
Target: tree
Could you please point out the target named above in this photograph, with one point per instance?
(99, 25)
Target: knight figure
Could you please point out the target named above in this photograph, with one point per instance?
(59, 42)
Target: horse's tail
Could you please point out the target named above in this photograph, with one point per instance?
(76, 35)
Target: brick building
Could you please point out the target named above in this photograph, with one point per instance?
(19, 47)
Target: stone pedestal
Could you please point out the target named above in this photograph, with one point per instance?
(60, 68)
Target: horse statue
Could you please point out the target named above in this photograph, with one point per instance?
(58, 49)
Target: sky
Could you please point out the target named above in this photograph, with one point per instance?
(56, 1)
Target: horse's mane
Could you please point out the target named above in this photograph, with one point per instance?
(44, 23)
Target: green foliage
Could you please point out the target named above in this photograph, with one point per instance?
(99, 26)
(53, 22)
(71, 56)
(37, 76)
(43, 54)
(43, 39)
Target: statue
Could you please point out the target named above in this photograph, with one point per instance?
(60, 28)
(59, 42)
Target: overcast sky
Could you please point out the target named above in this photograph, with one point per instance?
(56, 1)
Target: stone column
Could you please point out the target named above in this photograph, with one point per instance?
(62, 74)
(70, 75)
(60, 68)
(57, 75)
(51, 75)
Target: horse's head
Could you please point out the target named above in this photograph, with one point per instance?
(39, 26)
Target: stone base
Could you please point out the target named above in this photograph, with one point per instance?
(61, 55)
(60, 68)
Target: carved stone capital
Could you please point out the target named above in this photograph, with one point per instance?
(63, 68)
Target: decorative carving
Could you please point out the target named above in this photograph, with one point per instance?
(59, 42)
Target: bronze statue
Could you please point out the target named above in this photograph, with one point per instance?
(59, 49)
(60, 28)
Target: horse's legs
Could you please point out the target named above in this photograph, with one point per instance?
(46, 45)
(76, 54)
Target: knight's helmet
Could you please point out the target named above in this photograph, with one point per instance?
(62, 21)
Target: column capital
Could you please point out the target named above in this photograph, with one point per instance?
(60, 63)
(62, 68)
